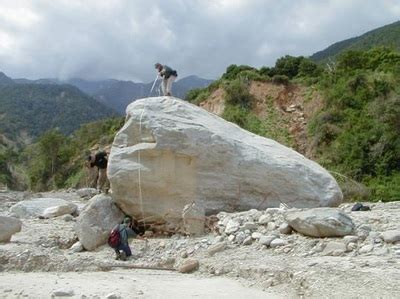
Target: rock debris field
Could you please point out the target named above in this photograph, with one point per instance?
(272, 253)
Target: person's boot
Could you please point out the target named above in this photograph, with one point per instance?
(123, 256)
(118, 256)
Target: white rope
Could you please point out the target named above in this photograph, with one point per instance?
(139, 169)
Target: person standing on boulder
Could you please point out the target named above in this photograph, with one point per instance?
(168, 76)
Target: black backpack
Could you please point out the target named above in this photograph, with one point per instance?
(101, 160)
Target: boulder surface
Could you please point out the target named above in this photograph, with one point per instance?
(8, 227)
(321, 222)
(170, 154)
(96, 221)
(36, 207)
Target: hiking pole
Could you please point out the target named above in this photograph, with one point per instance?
(153, 85)
(130, 266)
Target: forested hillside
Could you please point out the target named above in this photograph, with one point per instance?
(388, 36)
(351, 114)
(29, 110)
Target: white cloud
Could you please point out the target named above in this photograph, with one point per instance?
(124, 38)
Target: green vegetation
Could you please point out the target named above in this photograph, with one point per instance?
(56, 160)
(28, 110)
(387, 36)
(356, 132)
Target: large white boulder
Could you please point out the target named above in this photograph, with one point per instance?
(96, 221)
(171, 153)
(36, 207)
(8, 227)
(321, 222)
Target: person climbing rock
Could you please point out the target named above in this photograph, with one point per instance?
(168, 76)
(98, 165)
(126, 230)
(92, 172)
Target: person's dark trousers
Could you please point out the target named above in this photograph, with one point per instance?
(125, 248)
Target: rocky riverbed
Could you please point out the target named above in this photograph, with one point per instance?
(260, 249)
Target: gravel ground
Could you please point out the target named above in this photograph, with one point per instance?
(231, 264)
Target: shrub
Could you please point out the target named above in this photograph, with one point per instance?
(237, 93)
(280, 79)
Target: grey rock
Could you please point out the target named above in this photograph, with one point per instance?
(189, 265)
(77, 247)
(196, 149)
(321, 222)
(248, 241)
(232, 227)
(278, 242)
(113, 296)
(59, 210)
(250, 226)
(218, 239)
(68, 218)
(266, 240)
(271, 226)
(86, 192)
(63, 293)
(391, 236)
(193, 216)
(256, 235)
(334, 248)
(240, 236)
(96, 221)
(351, 246)
(366, 249)
(36, 207)
(231, 238)
(350, 239)
(285, 229)
(8, 227)
(264, 219)
(213, 249)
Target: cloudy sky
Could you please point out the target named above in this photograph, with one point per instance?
(122, 39)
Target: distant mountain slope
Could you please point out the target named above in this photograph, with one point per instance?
(118, 94)
(4, 80)
(388, 35)
(28, 110)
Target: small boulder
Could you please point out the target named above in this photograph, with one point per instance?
(248, 241)
(350, 239)
(285, 229)
(213, 249)
(266, 240)
(321, 222)
(189, 265)
(232, 227)
(77, 247)
(278, 242)
(391, 236)
(334, 248)
(60, 210)
(366, 249)
(86, 192)
(96, 221)
(63, 293)
(256, 235)
(264, 219)
(8, 227)
(36, 207)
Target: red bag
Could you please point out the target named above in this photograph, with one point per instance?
(114, 239)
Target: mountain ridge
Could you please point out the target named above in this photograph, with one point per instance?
(387, 35)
